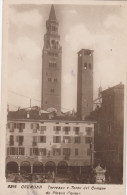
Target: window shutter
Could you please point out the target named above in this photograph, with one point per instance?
(54, 139)
(23, 125)
(31, 125)
(22, 138)
(17, 138)
(18, 125)
(16, 151)
(15, 125)
(37, 126)
(30, 151)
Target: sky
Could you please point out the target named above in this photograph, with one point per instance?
(102, 28)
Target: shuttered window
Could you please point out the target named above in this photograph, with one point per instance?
(56, 139)
(42, 139)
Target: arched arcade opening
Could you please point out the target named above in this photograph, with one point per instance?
(38, 167)
(25, 167)
(50, 166)
(62, 167)
(12, 167)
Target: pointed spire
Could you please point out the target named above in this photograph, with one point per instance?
(52, 15)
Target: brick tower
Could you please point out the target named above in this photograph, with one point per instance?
(85, 83)
(51, 65)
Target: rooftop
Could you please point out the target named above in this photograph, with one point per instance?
(40, 115)
(87, 51)
(119, 86)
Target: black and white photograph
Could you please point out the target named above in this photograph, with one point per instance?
(66, 93)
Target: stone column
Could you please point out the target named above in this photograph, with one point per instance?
(80, 170)
(43, 169)
(56, 170)
(31, 169)
(19, 169)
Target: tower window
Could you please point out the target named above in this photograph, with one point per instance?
(52, 90)
(90, 66)
(53, 28)
(49, 80)
(55, 80)
(85, 66)
(52, 65)
(53, 54)
(53, 42)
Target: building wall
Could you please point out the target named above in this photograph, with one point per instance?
(85, 132)
(85, 83)
(109, 130)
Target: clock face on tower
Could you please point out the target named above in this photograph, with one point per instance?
(51, 65)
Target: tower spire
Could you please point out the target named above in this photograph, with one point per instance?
(52, 15)
(51, 68)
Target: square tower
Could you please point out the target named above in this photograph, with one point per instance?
(85, 83)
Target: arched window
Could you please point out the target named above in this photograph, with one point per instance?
(85, 66)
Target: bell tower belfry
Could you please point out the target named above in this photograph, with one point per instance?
(51, 65)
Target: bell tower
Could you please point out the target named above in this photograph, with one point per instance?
(85, 83)
(51, 65)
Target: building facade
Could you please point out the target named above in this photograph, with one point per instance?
(109, 131)
(51, 65)
(40, 146)
(85, 83)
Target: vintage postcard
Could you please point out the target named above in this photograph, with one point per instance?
(63, 97)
